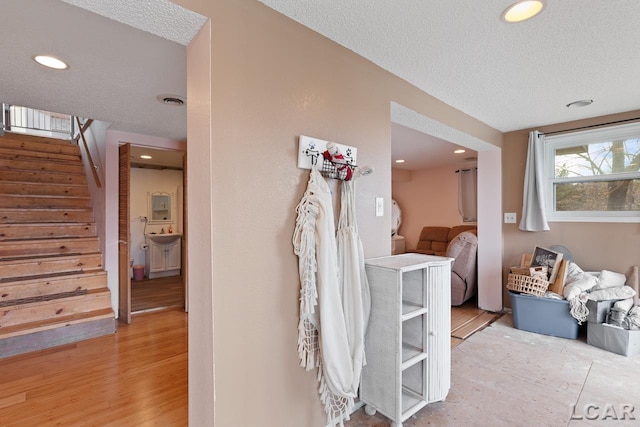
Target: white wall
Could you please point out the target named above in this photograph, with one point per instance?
(143, 182)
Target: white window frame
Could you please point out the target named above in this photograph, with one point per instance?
(552, 143)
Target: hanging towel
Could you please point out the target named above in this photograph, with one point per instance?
(356, 301)
(331, 325)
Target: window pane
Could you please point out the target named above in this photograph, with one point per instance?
(602, 158)
(622, 195)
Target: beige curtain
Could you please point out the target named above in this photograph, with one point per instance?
(468, 194)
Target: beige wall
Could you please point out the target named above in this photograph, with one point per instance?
(595, 246)
(271, 81)
(428, 197)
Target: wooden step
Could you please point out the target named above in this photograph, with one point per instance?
(63, 330)
(27, 267)
(21, 216)
(45, 247)
(42, 177)
(25, 154)
(39, 143)
(39, 189)
(41, 166)
(43, 231)
(30, 201)
(33, 288)
(47, 310)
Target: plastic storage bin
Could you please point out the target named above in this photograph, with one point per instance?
(543, 316)
(138, 272)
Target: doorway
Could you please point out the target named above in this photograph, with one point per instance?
(156, 234)
(489, 184)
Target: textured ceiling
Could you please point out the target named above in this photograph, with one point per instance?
(116, 71)
(509, 76)
(159, 17)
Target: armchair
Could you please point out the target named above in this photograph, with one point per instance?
(463, 248)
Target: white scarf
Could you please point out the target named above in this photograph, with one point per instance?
(331, 339)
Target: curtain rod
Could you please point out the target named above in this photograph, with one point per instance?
(591, 126)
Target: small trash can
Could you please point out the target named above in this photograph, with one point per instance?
(138, 272)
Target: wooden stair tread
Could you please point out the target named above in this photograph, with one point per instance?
(42, 267)
(42, 209)
(42, 325)
(43, 196)
(47, 307)
(28, 154)
(15, 136)
(53, 285)
(80, 275)
(12, 280)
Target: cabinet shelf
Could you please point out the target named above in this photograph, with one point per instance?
(410, 298)
(411, 310)
(411, 403)
(411, 355)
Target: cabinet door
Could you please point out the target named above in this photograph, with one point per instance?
(156, 261)
(172, 255)
(439, 333)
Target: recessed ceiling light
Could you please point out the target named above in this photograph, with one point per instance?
(459, 151)
(146, 157)
(522, 10)
(174, 100)
(400, 161)
(51, 62)
(581, 103)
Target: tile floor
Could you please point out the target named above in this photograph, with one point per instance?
(502, 376)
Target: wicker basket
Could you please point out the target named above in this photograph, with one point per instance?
(538, 271)
(527, 284)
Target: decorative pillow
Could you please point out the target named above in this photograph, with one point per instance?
(610, 279)
(621, 292)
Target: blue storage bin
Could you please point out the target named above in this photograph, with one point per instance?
(543, 316)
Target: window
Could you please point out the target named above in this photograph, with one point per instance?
(594, 175)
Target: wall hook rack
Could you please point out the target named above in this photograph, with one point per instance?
(311, 152)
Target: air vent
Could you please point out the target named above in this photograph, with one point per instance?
(174, 100)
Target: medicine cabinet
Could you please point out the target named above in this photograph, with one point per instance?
(160, 207)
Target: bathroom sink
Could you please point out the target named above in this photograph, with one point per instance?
(164, 238)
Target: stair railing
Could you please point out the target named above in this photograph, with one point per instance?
(93, 166)
(45, 123)
(37, 122)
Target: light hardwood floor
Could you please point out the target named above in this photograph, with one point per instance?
(149, 294)
(137, 377)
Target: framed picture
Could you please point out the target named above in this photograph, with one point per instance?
(549, 258)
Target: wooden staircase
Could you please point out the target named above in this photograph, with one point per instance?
(53, 287)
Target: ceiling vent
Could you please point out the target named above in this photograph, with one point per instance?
(174, 100)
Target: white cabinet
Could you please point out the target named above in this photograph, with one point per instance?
(407, 342)
(164, 257)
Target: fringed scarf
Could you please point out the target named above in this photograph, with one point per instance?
(332, 337)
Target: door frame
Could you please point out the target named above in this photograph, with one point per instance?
(124, 233)
(124, 277)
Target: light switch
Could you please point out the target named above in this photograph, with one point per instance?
(509, 217)
(379, 206)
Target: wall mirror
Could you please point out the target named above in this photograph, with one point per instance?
(160, 207)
